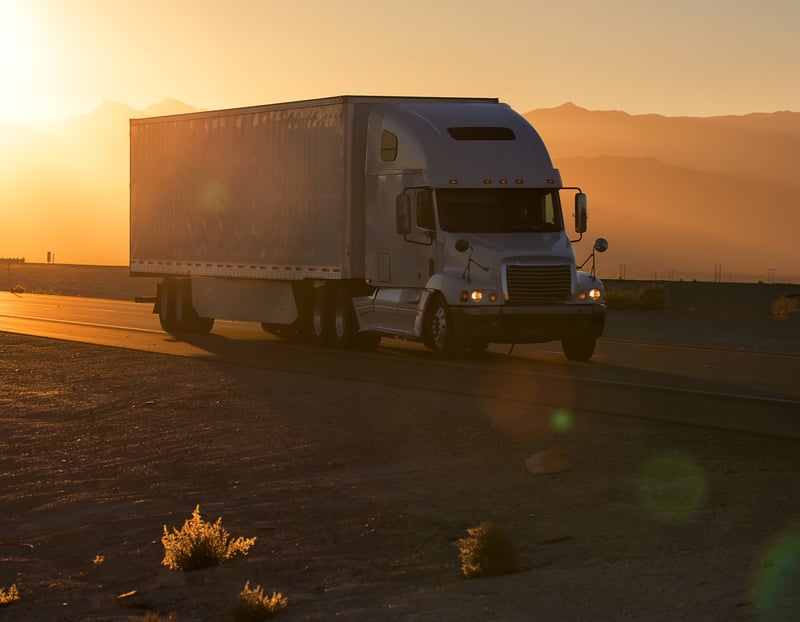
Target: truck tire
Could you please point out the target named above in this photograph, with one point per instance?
(165, 301)
(438, 332)
(345, 324)
(578, 349)
(322, 317)
(175, 310)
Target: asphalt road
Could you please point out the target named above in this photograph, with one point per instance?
(727, 389)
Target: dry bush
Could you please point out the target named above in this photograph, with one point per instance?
(487, 551)
(199, 544)
(253, 606)
(620, 299)
(650, 296)
(784, 306)
(653, 296)
(154, 617)
(11, 595)
(17, 289)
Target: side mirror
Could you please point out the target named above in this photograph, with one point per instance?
(601, 245)
(581, 213)
(403, 214)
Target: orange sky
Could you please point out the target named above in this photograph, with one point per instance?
(674, 57)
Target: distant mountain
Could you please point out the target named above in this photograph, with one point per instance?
(677, 196)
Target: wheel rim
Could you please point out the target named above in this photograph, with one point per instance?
(439, 327)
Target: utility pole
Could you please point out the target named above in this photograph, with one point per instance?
(770, 275)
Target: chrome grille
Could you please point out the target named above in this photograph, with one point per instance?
(536, 285)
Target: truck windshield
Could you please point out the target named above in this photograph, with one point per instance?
(499, 210)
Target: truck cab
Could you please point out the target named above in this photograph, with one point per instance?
(467, 243)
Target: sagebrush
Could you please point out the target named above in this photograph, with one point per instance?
(784, 306)
(8, 596)
(254, 606)
(487, 551)
(650, 296)
(199, 544)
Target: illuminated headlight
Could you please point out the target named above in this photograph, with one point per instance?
(477, 296)
(593, 294)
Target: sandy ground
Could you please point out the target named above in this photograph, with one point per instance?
(357, 494)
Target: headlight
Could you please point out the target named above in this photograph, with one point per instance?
(477, 296)
(593, 294)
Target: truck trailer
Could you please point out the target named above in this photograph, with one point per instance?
(346, 219)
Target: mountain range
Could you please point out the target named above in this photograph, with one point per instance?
(705, 198)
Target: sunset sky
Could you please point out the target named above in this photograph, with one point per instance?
(59, 58)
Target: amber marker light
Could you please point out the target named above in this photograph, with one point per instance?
(551, 181)
(464, 297)
(503, 181)
(519, 181)
(493, 297)
(487, 181)
(453, 182)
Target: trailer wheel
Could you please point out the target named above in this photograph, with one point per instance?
(578, 349)
(175, 310)
(438, 330)
(165, 300)
(322, 317)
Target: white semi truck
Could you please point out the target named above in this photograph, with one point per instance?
(346, 219)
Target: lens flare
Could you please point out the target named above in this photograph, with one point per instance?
(778, 575)
(215, 197)
(561, 421)
(671, 487)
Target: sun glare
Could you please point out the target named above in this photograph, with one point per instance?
(21, 62)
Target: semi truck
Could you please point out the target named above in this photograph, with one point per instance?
(347, 219)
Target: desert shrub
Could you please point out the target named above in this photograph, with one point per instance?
(650, 296)
(18, 289)
(11, 595)
(199, 544)
(619, 299)
(653, 296)
(154, 617)
(784, 306)
(487, 551)
(253, 606)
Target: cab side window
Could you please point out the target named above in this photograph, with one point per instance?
(388, 146)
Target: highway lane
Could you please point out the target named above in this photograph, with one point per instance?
(699, 386)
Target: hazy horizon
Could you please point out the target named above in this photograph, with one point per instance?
(66, 66)
(671, 206)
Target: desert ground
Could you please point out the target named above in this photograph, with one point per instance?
(357, 493)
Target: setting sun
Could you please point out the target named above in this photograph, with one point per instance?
(21, 63)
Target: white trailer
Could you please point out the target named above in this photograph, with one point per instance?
(346, 219)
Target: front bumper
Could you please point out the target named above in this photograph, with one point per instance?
(510, 324)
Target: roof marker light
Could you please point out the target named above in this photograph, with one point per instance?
(487, 181)
(453, 182)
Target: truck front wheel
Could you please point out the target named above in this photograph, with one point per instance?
(438, 332)
(578, 349)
